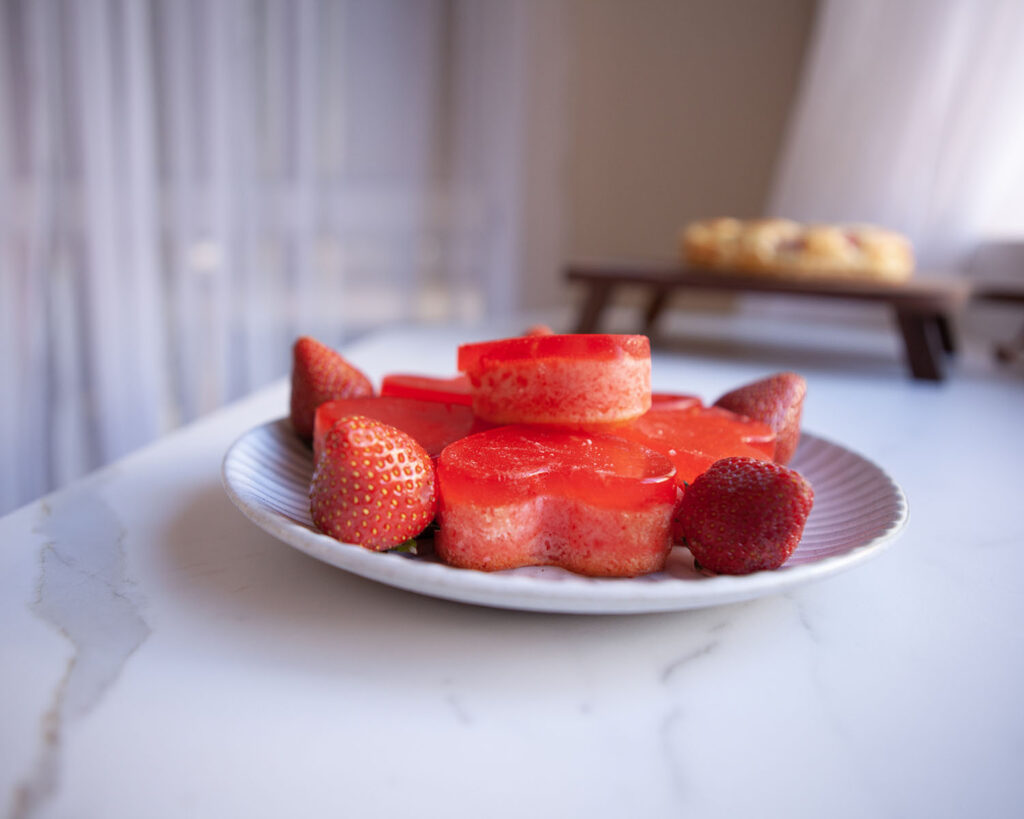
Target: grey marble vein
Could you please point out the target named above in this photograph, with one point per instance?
(680, 662)
(806, 623)
(703, 650)
(456, 704)
(85, 593)
(670, 753)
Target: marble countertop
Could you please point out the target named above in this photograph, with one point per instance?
(162, 656)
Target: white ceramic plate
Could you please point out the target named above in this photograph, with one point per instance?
(858, 510)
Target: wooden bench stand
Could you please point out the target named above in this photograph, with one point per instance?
(922, 308)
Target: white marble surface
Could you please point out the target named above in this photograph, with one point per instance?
(161, 656)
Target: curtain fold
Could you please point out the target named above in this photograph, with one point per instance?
(186, 186)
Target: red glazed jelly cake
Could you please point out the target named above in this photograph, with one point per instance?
(567, 380)
(524, 496)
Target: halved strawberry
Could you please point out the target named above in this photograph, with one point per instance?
(320, 374)
(373, 485)
(744, 515)
(777, 401)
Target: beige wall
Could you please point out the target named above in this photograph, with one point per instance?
(677, 110)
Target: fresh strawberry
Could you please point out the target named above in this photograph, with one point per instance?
(744, 515)
(320, 374)
(373, 485)
(777, 401)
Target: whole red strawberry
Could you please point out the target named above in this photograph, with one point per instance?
(373, 485)
(320, 374)
(777, 401)
(744, 515)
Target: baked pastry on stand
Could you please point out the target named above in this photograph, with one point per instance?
(788, 249)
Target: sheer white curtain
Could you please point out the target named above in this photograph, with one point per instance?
(911, 114)
(187, 185)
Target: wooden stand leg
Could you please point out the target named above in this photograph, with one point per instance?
(946, 333)
(923, 341)
(1011, 350)
(655, 307)
(593, 307)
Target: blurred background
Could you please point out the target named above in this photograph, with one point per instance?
(185, 186)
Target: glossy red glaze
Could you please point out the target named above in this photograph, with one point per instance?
(512, 464)
(599, 346)
(433, 425)
(427, 388)
(671, 400)
(695, 437)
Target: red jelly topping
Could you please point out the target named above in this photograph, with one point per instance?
(514, 464)
(432, 424)
(695, 437)
(671, 400)
(427, 388)
(593, 346)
